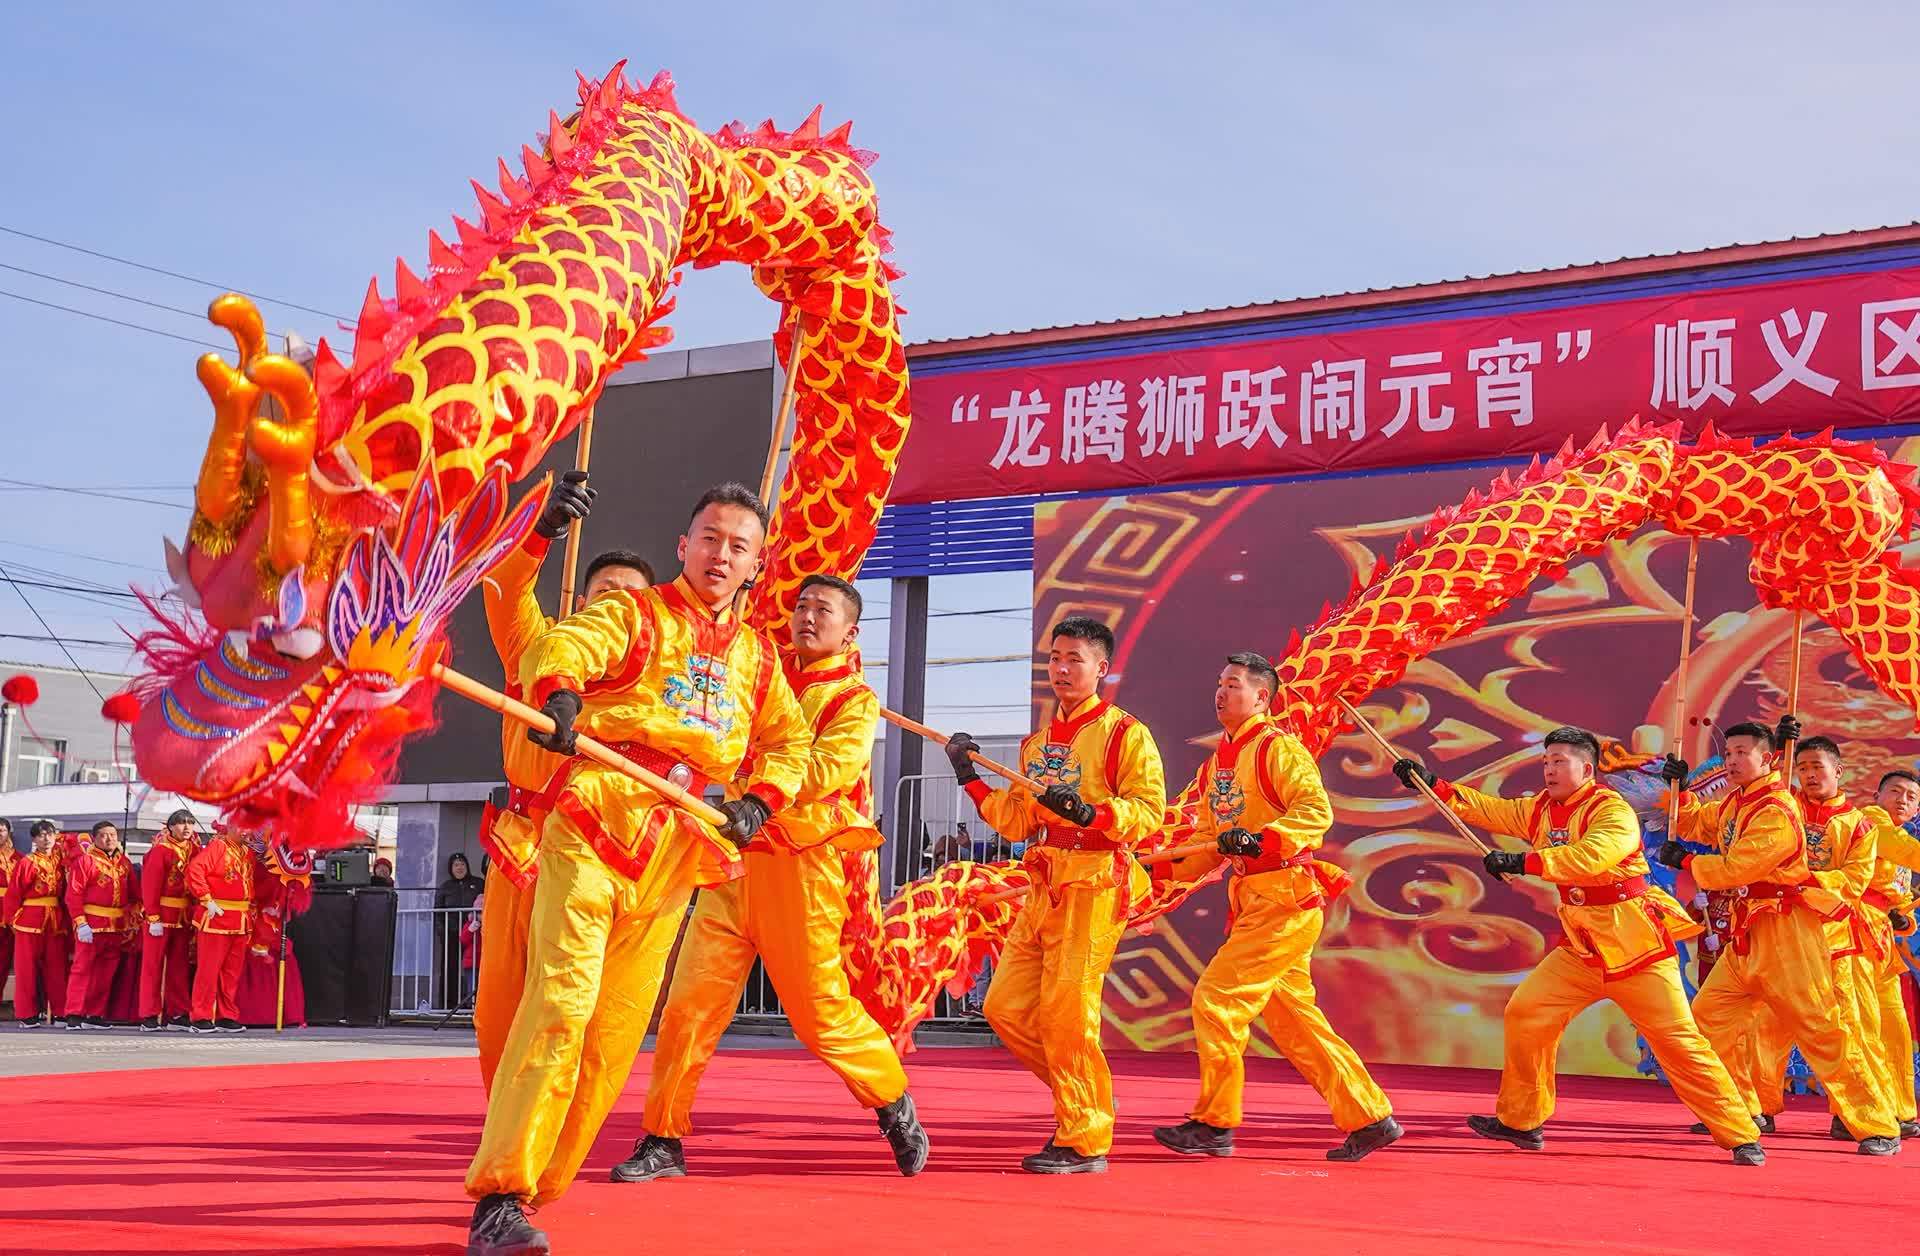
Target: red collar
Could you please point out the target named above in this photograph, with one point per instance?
(833, 667)
(1062, 732)
(712, 634)
(1821, 812)
(1233, 743)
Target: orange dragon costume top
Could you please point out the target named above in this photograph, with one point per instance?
(1045, 998)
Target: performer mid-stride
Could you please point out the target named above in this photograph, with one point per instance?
(670, 678)
(1266, 808)
(1105, 791)
(1779, 955)
(1618, 941)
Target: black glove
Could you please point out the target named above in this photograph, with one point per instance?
(1788, 729)
(1502, 864)
(1671, 853)
(1239, 842)
(1065, 802)
(1674, 769)
(567, 500)
(1900, 921)
(563, 708)
(959, 746)
(744, 815)
(1408, 769)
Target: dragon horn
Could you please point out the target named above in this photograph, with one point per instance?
(287, 450)
(217, 492)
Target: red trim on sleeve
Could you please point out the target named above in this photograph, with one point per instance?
(1534, 868)
(1102, 816)
(536, 545)
(979, 791)
(1116, 746)
(547, 686)
(1686, 865)
(1444, 788)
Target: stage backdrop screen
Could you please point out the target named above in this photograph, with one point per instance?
(1419, 958)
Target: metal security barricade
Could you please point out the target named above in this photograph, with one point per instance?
(436, 958)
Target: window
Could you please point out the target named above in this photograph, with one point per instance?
(39, 760)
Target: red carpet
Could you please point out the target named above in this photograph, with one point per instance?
(368, 1158)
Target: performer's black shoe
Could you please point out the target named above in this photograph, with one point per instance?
(901, 1124)
(1370, 1138)
(1494, 1128)
(1763, 1123)
(200, 1027)
(1749, 1153)
(500, 1228)
(98, 1022)
(653, 1157)
(182, 1021)
(1879, 1146)
(151, 1025)
(78, 1022)
(1839, 1132)
(229, 1026)
(1195, 1138)
(1057, 1159)
(1909, 1129)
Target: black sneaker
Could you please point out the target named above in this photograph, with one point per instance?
(182, 1021)
(653, 1157)
(1195, 1138)
(1057, 1159)
(1494, 1128)
(1370, 1138)
(1763, 1123)
(1749, 1153)
(500, 1228)
(1910, 1129)
(901, 1125)
(98, 1022)
(77, 1022)
(1839, 1132)
(200, 1027)
(230, 1027)
(1879, 1146)
(151, 1025)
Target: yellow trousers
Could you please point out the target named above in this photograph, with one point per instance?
(1787, 967)
(503, 966)
(597, 944)
(1045, 1002)
(1770, 1046)
(788, 910)
(1263, 970)
(1562, 987)
(1896, 1040)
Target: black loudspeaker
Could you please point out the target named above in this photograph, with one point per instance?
(344, 943)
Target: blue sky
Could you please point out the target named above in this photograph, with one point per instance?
(1040, 164)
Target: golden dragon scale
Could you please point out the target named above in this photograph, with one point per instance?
(1820, 513)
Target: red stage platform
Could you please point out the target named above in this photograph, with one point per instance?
(368, 1158)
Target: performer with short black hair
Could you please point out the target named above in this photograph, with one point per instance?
(39, 925)
(166, 945)
(1618, 944)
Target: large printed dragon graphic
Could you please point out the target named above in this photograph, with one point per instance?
(343, 510)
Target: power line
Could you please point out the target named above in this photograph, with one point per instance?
(91, 558)
(8, 577)
(93, 591)
(89, 643)
(117, 322)
(88, 492)
(199, 315)
(174, 274)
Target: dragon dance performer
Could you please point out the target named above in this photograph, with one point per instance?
(221, 880)
(1618, 944)
(788, 910)
(1106, 790)
(39, 930)
(510, 831)
(101, 899)
(1268, 812)
(166, 947)
(8, 857)
(1779, 955)
(1889, 907)
(671, 678)
(1840, 853)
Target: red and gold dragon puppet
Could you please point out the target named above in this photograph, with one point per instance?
(1821, 515)
(342, 512)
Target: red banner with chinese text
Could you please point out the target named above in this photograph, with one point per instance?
(1754, 359)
